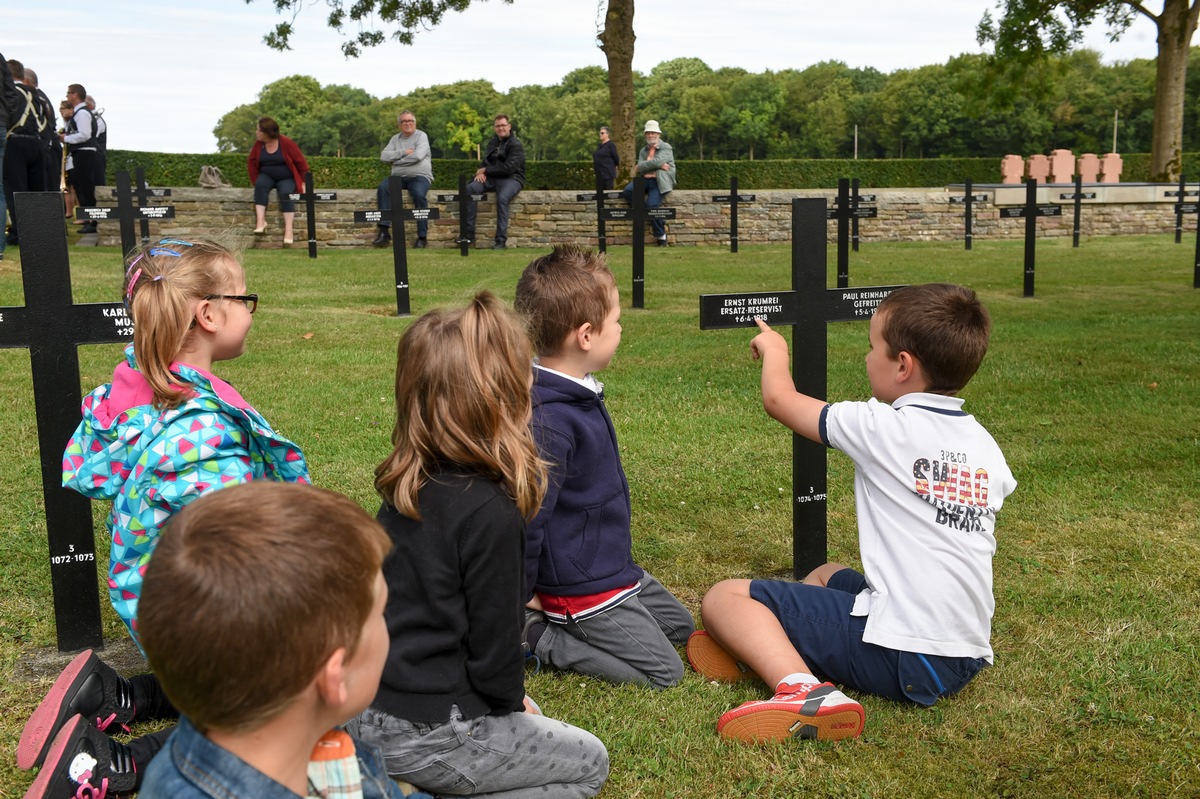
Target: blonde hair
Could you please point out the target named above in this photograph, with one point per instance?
(162, 283)
(249, 592)
(463, 382)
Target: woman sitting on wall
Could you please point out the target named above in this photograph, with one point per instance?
(275, 163)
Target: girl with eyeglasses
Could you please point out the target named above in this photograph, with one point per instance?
(165, 431)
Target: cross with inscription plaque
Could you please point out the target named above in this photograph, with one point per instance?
(808, 308)
(126, 213)
(733, 198)
(638, 214)
(599, 195)
(143, 193)
(968, 198)
(310, 198)
(397, 215)
(1030, 211)
(462, 198)
(52, 327)
(1182, 206)
(847, 207)
(1079, 195)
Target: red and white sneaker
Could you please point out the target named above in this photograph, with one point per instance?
(714, 661)
(812, 711)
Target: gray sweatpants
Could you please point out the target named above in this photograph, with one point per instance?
(514, 756)
(633, 642)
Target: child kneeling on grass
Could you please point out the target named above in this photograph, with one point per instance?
(451, 714)
(592, 609)
(928, 482)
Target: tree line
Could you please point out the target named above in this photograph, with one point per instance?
(969, 106)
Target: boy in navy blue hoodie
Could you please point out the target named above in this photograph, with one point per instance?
(591, 608)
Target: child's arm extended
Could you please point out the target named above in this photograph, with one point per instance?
(781, 400)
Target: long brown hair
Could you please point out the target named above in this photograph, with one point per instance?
(161, 284)
(463, 381)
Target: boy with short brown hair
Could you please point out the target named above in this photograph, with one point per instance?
(263, 619)
(929, 480)
(592, 609)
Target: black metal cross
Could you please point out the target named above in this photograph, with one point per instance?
(1079, 195)
(397, 216)
(733, 198)
(310, 198)
(126, 212)
(462, 198)
(847, 208)
(52, 327)
(968, 198)
(599, 196)
(1030, 211)
(143, 193)
(1190, 208)
(638, 214)
(808, 308)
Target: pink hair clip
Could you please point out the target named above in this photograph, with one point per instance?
(129, 288)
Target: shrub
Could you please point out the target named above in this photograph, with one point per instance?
(183, 169)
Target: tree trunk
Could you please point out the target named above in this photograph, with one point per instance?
(1176, 24)
(616, 40)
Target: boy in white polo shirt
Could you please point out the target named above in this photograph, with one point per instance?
(929, 479)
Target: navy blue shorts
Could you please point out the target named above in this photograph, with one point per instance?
(817, 620)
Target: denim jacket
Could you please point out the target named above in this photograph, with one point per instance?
(192, 767)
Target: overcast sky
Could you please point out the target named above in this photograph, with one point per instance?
(165, 72)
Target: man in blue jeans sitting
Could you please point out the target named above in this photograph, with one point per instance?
(656, 163)
(408, 153)
(502, 171)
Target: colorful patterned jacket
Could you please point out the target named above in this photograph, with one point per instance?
(152, 462)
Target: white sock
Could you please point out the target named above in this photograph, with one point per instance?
(798, 677)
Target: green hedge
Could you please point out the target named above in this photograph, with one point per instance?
(173, 169)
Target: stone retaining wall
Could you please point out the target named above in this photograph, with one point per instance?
(541, 218)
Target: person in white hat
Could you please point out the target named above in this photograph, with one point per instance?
(656, 163)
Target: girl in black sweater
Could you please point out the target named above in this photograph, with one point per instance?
(451, 715)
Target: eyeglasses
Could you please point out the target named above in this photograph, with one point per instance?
(408, 122)
(249, 300)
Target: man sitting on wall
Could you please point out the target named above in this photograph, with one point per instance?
(656, 163)
(408, 153)
(503, 171)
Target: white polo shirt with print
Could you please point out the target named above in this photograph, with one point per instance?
(928, 482)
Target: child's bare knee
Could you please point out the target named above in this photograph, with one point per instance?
(721, 594)
(820, 575)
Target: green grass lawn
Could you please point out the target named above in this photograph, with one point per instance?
(1090, 387)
